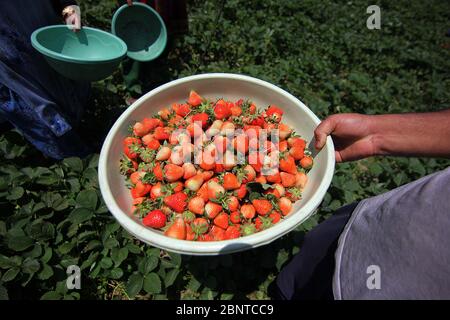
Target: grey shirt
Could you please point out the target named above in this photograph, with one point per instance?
(397, 245)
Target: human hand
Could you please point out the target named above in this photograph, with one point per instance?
(130, 2)
(72, 17)
(351, 133)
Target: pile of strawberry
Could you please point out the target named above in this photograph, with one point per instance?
(222, 199)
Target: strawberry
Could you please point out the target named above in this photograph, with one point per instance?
(274, 178)
(181, 109)
(236, 111)
(200, 226)
(217, 233)
(235, 217)
(155, 219)
(190, 235)
(194, 183)
(172, 172)
(164, 113)
(221, 220)
(285, 205)
(273, 191)
(163, 153)
(202, 117)
(274, 111)
(221, 110)
(233, 203)
(284, 131)
(287, 164)
(297, 152)
(205, 237)
(227, 128)
(232, 232)
(194, 99)
(296, 141)
(306, 162)
(275, 217)
(136, 176)
(241, 192)
(262, 206)
(207, 175)
(177, 230)
(279, 187)
(212, 209)
(250, 173)
(197, 205)
(282, 146)
(158, 171)
(203, 191)
(142, 189)
(287, 179)
(161, 133)
(151, 123)
(214, 189)
(230, 181)
(153, 144)
(301, 179)
(221, 144)
(261, 179)
(140, 130)
(177, 186)
(156, 191)
(176, 201)
(129, 146)
(248, 211)
(258, 121)
(189, 170)
(219, 168)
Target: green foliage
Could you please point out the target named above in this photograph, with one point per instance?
(53, 215)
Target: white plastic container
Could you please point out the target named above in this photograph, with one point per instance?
(212, 86)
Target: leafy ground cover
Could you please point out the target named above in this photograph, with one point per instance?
(52, 214)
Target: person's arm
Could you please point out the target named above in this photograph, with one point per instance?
(358, 136)
(71, 13)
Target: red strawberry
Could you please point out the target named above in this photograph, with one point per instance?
(301, 179)
(190, 235)
(248, 211)
(196, 205)
(194, 183)
(235, 217)
(161, 133)
(233, 203)
(241, 143)
(142, 188)
(203, 191)
(217, 233)
(287, 179)
(261, 179)
(136, 176)
(181, 109)
(241, 191)
(297, 142)
(194, 99)
(285, 205)
(297, 152)
(262, 223)
(221, 110)
(156, 191)
(230, 181)
(158, 171)
(172, 172)
(262, 206)
(274, 178)
(236, 110)
(250, 173)
(176, 201)
(306, 162)
(200, 226)
(139, 129)
(128, 145)
(222, 220)
(152, 123)
(274, 111)
(275, 217)
(212, 209)
(153, 144)
(287, 164)
(232, 232)
(177, 229)
(201, 117)
(155, 219)
(163, 153)
(214, 189)
(189, 170)
(282, 146)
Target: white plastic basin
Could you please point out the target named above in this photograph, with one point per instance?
(212, 86)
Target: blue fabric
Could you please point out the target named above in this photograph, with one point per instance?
(39, 102)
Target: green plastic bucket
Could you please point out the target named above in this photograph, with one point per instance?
(142, 29)
(87, 55)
